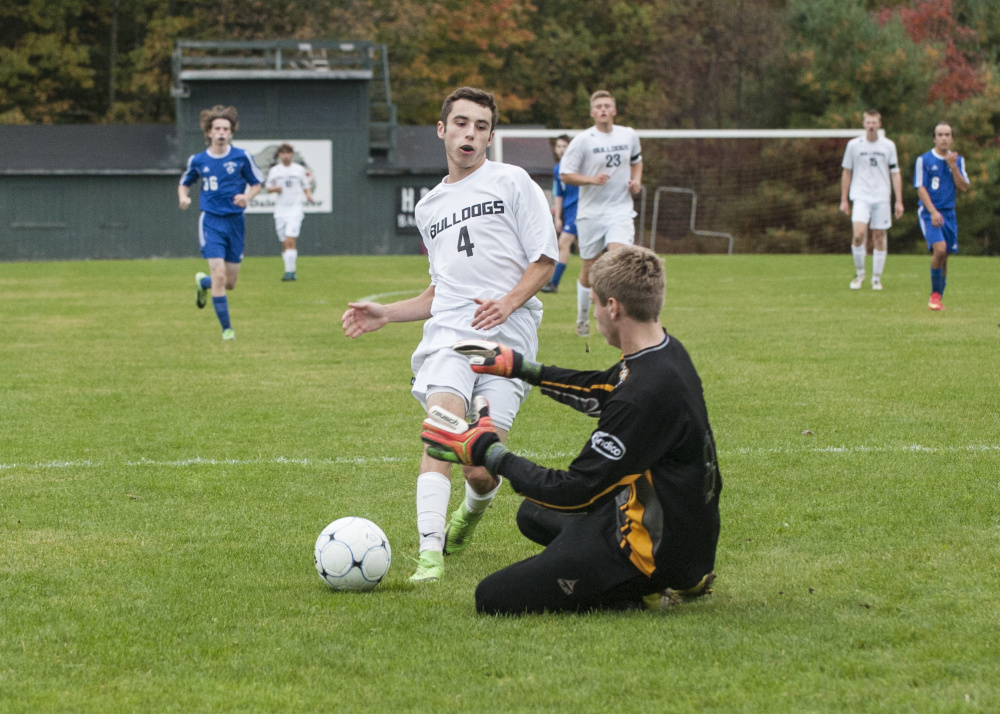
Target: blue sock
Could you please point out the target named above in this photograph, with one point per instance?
(221, 306)
(937, 282)
(944, 281)
(206, 283)
(557, 276)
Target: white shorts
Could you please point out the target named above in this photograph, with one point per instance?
(438, 368)
(878, 216)
(594, 234)
(287, 226)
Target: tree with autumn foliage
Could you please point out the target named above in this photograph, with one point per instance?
(951, 46)
(670, 64)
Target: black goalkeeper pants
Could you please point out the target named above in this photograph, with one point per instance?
(580, 568)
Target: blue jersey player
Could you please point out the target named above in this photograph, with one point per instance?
(938, 175)
(566, 197)
(229, 181)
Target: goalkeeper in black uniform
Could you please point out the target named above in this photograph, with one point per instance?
(635, 519)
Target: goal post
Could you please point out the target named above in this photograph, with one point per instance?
(758, 190)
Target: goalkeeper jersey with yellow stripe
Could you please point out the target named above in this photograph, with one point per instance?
(653, 454)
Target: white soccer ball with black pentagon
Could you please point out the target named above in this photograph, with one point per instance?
(352, 554)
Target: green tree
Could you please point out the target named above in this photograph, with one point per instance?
(842, 61)
(582, 47)
(44, 69)
(714, 57)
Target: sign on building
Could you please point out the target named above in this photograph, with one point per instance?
(406, 203)
(315, 155)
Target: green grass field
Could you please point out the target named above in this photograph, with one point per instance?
(160, 492)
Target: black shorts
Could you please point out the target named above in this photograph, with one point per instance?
(580, 568)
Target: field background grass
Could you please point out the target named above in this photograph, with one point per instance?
(160, 492)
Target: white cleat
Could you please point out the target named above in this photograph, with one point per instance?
(583, 328)
(857, 282)
(876, 284)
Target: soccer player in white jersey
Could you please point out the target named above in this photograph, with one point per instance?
(492, 246)
(290, 181)
(870, 162)
(606, 163)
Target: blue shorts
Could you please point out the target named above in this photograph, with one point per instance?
(221, 236)
(935, 234)
(569, 220)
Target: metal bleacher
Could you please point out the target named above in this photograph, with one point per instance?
(296, 59)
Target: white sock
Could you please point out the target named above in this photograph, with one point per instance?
(582, 303)
(858, 251)
(878, 262)
(479, 502)
(433, 493)
(289, 257)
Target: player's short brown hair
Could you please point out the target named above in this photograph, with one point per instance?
(285, 149)
(942, 123)
(561, 137)
(873, 113)
(600, 94)
(635, 277)
(219, 112)
(476, 96)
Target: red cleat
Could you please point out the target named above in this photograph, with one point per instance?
(935, 302)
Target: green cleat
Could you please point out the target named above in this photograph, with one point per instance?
(670, 598)
(461, 526)
(229, 334)
(430, 568)
(288, 277)
(201, 298)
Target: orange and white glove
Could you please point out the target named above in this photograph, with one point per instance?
(487, 357)
(451, 438)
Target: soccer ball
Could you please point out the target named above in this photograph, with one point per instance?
(352, 554)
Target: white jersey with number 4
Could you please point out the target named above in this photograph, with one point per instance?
(870, 163)
(594, 152)
(482, 233)
(293, 180)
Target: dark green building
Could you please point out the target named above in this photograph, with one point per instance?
(109, 191)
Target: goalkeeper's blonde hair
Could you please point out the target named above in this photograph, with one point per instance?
(633, 276)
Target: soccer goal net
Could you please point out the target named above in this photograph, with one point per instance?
(707, 191)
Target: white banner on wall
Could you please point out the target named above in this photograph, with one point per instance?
(315, 154)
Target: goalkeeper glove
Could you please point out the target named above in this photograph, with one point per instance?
(487, 357)
(452, 438)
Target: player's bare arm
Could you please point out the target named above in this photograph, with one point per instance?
(308, 194)
(584, 180)
(557, 213)
(845, 189)
(635, 179)
(925, 198)
(491, 313)
(362, 317)
(242, 199)
(897, 187)
(960, 183)
(274, 188)
(183, 197)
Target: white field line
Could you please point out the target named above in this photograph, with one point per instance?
(365, 460)
(378, 296)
